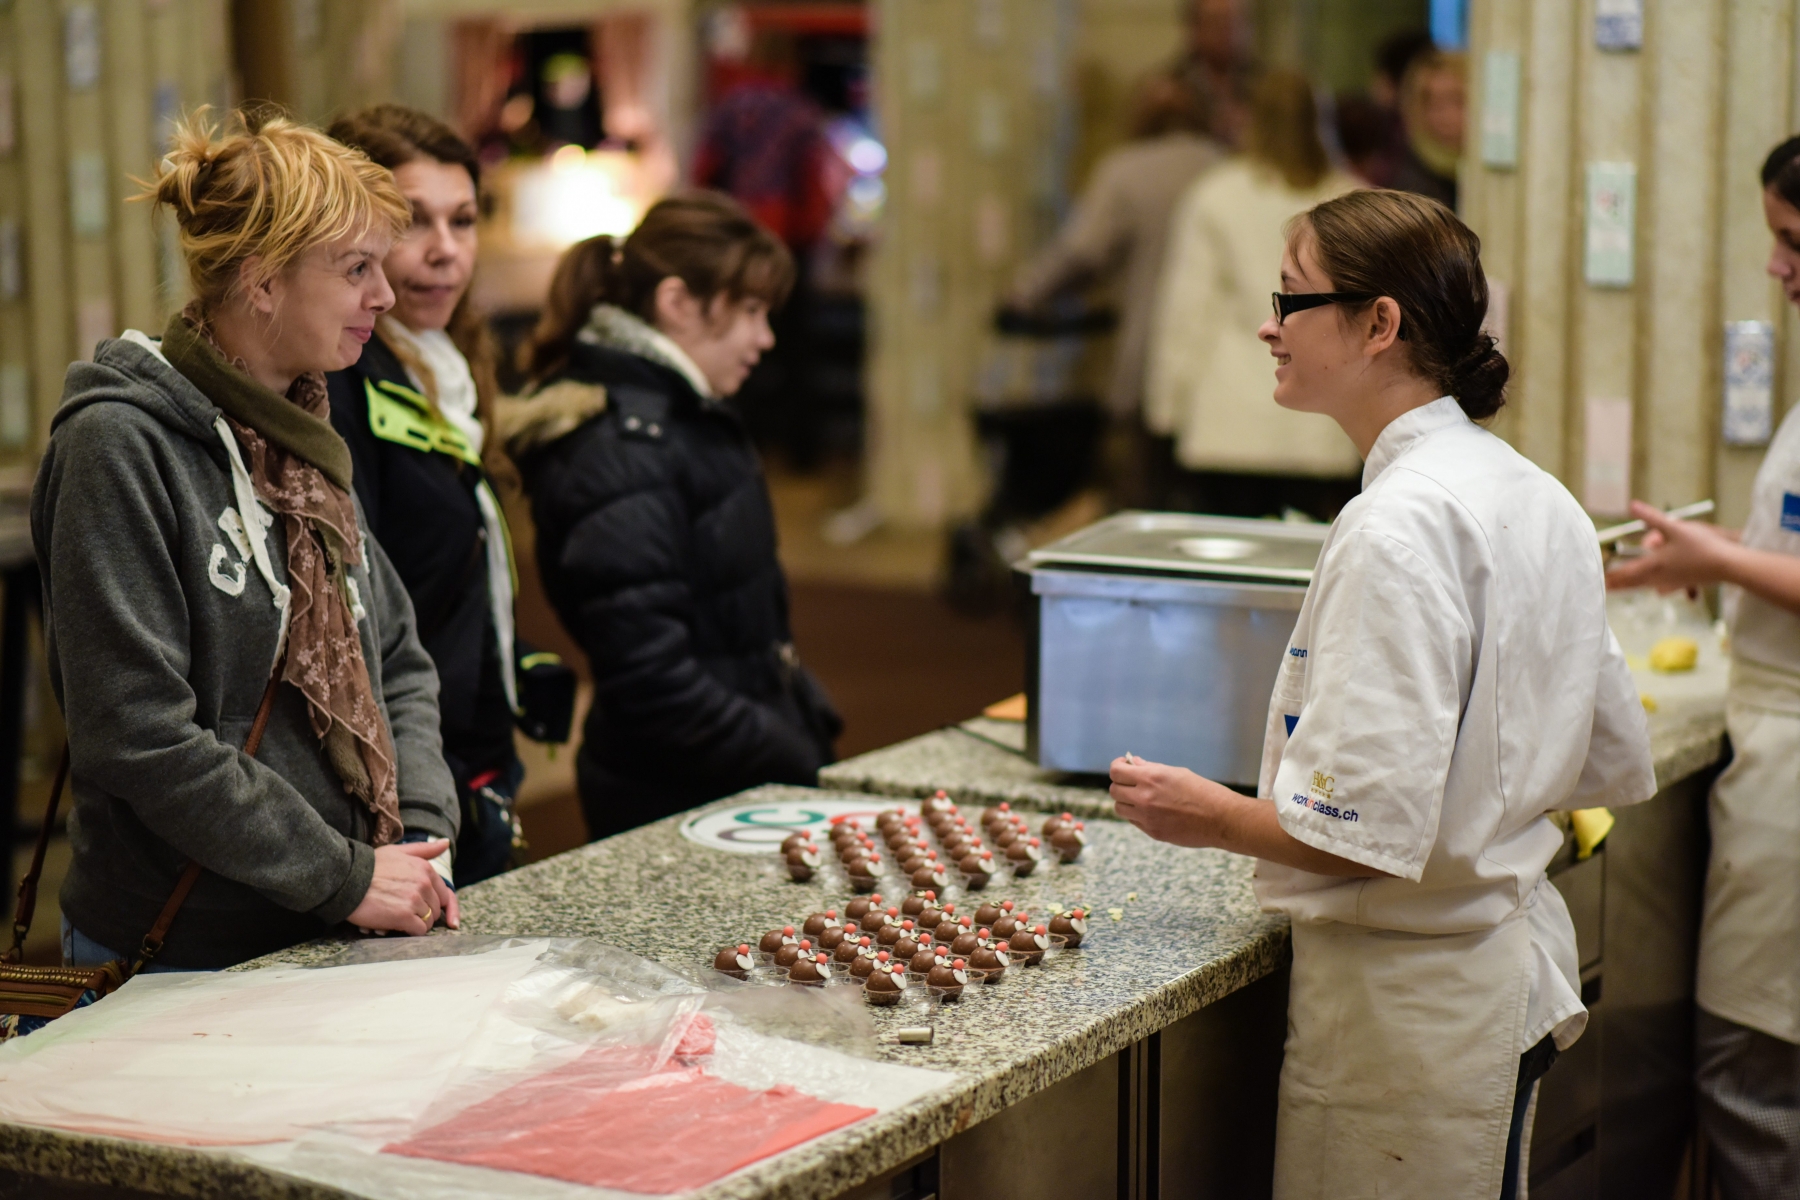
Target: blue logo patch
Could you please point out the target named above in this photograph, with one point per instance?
(1790, 512)
(1292, 720)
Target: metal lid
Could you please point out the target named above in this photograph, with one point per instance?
(1189, 544)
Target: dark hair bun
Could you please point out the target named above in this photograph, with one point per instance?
(1478, 381)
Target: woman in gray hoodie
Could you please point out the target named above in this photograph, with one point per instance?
(201, 545)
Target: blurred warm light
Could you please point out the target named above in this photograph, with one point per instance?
(867, 156)
(576, 194)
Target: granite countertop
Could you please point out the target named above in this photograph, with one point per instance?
(1189, 932)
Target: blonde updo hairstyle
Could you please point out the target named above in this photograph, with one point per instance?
(269, 188)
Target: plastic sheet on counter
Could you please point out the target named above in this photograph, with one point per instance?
(504, 1068)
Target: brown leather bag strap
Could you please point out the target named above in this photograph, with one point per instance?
(190, 875)
(28, 887)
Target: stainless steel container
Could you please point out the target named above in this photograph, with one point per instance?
(1161, 634)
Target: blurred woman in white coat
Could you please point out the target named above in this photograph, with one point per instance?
(1208, 372)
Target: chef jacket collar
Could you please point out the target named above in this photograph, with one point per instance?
(1408, 428)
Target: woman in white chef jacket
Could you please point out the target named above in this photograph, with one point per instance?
(1747, 1045)
(1450, 680)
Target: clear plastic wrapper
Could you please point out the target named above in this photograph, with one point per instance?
(565, 1060)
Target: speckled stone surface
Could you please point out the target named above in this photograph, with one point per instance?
(978, 762)
(1189, 933)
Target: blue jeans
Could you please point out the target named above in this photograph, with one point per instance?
(79, 950)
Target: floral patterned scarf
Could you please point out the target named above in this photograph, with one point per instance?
(300, 468)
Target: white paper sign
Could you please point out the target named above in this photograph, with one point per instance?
(1606, 480)
(1619, 24)
(93, 324)
(87, 194)
(1748, 412)
(81, 46)
(1500, 109)
(1499, 313)
(12, 265)
(760, 828)
(9, 122)
(1611, 223)
(15, 405)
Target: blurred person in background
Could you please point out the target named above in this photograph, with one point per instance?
(414, 411)
(1237, 455)
(1433, 108)
(1119, 230)
(764, 145)
(1368, 124)
(1216, 65)
(656, 538)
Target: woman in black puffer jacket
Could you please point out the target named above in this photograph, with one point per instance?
(655, 536)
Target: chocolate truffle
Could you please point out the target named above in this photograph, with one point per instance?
(864, 873)
(803, 862)
(798, 838)
(988, 913)
(793, 952)
(866, 963)
(832, 937)
(1010, 922)
(997, 815)
(1027, 946)
(1006, 835)
(1052, 824)
(990, 960)
(1070, 841)
(930, 875)
(949, 977)
(977, 869)
(913, 858)
(845, 833)
(929, 916)
(1024, 855)
(890, 818)
(898, 839)
(1072, 925)
(775, 939)
(925, 957)
(915, 904)
(848, 950)
(874, 919)
(819, 922)
(854, 910)
(889, 935)
(966, 941)
(810, 969)
(939, 802)
(734, 961)
(884, 985)
(908, 945)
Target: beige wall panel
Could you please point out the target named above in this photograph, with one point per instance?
(1489, 197)
(1759, 47)
(1549, 208)
(130, 88)
(39, 31)
(1608, 121)
(1678, 198)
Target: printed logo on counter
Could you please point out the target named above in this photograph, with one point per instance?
(759, 828)
(1790, 512)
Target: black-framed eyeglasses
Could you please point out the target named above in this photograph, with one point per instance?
(1289, 303)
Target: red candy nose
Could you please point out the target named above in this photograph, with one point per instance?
(958, 964)
(1037, 929)
(787, 929)
(743, 949)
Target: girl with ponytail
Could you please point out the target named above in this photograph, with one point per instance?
(1451, 680)
(655, 536)
(249, 710)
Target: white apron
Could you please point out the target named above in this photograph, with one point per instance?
(1402, 1055)
(1749, 968)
